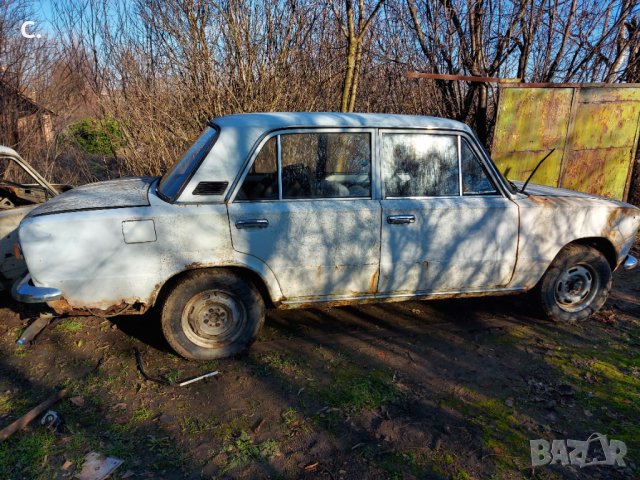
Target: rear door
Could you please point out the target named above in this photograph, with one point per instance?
(446, 226)
(305, 209)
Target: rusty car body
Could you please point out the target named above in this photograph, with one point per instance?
(298, 209)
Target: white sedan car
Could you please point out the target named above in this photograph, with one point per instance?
(297, 209)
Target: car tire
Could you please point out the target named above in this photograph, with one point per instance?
(212, 314)
(576, 284)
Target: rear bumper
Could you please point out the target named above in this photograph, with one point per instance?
(630, 262)
(25, 291)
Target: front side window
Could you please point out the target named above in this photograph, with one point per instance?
(475, 180)
(326, 165)
(176, 178)
(420, 165)
(313, 165)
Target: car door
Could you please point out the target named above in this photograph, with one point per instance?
(305, 208)
(446, 226)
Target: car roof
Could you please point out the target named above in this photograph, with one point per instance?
(277, 120)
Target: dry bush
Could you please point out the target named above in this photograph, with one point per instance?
(162, 68)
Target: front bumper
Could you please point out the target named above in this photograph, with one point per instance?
(25, 291)
(630, 262)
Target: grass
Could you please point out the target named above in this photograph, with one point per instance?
(280, 362)
(241, 449)
(141, 414)
(196, 426)
(70, 325)
(294, 422)
(354, 389)
(606, 377)
(420, 463)
(172, 376)
(501, 426)
(24, 455)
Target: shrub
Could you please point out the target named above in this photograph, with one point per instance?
(96, 136)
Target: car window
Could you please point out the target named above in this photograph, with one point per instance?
(475, 180)
(261, 183)
(176, 178)
(420, 165)
(326, 165)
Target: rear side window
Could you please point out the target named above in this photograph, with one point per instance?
(420, 165)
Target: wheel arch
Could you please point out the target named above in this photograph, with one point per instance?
(269, 291)
(603, 245)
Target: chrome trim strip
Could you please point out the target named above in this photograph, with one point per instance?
(24, 291)
(630, 262)
(459, 166)
(278, 165)
(322, 199)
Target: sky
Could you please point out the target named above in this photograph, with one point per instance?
(44, 10)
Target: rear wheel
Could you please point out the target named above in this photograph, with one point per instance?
(576, 284)
(212, 314)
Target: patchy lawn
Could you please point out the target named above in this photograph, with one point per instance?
(446, 389)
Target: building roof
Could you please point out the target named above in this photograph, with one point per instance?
(27, 105)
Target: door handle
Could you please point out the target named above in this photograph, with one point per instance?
(253, 223)
(398, 219)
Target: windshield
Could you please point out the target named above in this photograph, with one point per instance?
(174, 181)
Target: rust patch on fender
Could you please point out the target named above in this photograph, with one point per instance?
(194, 265)
(62, 307)
(373, 284)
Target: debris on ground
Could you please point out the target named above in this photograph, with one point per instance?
(51, 420)
(98, 467)
(32, 414)
(35, 328)
(197, 379)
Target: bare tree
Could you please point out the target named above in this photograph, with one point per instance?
(354, 24)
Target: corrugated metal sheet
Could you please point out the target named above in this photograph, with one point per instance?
(594, 129)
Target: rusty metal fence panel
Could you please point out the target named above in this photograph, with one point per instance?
(594, 129)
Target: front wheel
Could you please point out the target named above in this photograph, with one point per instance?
(212, 314)
(576, 284)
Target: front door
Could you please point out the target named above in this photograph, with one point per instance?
(445, 225)
(305, 209)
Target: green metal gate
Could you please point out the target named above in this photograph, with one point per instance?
(593, 128)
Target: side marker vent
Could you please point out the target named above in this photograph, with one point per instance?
(210, 188)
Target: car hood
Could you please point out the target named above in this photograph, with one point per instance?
(124, 192)
(563, 195)
(544, 191)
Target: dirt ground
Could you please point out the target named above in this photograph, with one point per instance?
(443, 389)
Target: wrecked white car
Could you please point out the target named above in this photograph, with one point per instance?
(297, 209)
(22, 188)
